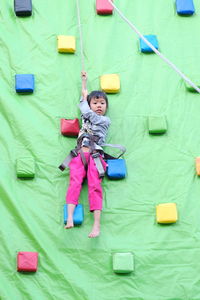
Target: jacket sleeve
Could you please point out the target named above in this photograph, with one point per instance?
(91, 115)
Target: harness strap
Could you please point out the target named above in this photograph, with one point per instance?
(84, 161)
(98, 163)
(108, 156)
(118, 146)
(73, 153)
(95, 155)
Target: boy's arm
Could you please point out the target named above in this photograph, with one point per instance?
(84, 107)
(84, 91)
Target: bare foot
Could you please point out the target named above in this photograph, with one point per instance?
(70, 224)
(95, 231)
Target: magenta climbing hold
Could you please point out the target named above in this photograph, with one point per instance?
(103, 7)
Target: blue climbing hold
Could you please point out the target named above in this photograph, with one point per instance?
(116, 168)
(185, 7)
(152, 39)
(78, 214)
(24, 83)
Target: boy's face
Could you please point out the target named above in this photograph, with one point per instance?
(98, 106)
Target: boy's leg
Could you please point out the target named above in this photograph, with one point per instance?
(95, 194)
(77, 174)
(70, 213)
(96, 226)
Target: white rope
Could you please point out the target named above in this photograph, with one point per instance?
(80, 34)
(154, 49)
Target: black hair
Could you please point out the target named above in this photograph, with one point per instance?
(97, 95)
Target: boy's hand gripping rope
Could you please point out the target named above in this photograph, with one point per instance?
(154, 49)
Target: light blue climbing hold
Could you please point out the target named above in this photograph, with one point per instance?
(152, 39)
(185, 7)
(24, 83)
(78, 214)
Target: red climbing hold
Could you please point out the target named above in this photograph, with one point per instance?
(27, 261)
(70, 127)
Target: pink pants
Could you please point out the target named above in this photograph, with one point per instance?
(77, 175)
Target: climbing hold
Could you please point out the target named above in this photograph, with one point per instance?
(69, 127)
(157, 124)
(110, 83)
(123, 262)
(103, 7)
(27, 261)
(185, 7)
(25, 167)
(116, 168)
(66, 44)
(24, 83)
(166, 213)
(152, 39)
(23, 8)
(189, 87)
(198, 165)
(78, 214)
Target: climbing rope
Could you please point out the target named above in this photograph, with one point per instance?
(80, 34)
(154, 49)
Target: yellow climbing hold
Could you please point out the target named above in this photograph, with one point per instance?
(66, 44)
(110, 83)
(166, 213)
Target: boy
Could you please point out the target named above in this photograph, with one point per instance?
(91, 136)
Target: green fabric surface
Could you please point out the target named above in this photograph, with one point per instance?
(160, 168)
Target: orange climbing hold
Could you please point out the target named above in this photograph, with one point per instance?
(198, 166)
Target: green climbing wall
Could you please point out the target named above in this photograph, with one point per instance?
(160, 168)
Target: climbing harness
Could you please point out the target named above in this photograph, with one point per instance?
(154, 49)
(96, 154)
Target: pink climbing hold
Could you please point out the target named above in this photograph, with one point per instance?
(103, 7)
